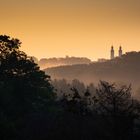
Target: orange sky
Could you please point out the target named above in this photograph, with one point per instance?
(55, 28)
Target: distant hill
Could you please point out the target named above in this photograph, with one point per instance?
(125, 69)
(54, 62)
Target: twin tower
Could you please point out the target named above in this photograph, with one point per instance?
(112, 53)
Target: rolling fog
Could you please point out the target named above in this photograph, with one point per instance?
(123, 71)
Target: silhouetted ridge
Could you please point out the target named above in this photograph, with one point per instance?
(53, 62)
(124, 69)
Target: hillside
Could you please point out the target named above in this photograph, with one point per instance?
(54, 62)
(123, 70)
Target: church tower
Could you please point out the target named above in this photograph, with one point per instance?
(112, 53)
(120, 51)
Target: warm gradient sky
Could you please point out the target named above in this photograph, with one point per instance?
(88, 28)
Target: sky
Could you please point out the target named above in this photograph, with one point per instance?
(82, 28)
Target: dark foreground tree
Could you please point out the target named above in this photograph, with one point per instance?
(118, 109)
(24, 88)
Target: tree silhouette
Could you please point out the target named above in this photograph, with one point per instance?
(24, 88)
(118, 108)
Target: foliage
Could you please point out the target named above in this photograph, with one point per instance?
(24, 88)
(118, 109)
(113, 108)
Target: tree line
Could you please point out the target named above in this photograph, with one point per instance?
(54, 62)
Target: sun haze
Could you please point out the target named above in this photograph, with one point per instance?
(55, 28)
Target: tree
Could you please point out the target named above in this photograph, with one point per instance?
(24, 88)
(118, 108)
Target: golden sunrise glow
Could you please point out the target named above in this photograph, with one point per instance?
(55, 28)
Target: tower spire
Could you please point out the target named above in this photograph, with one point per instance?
(112, 52)
(120, 51)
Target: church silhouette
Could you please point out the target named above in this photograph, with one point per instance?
(112, 52)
